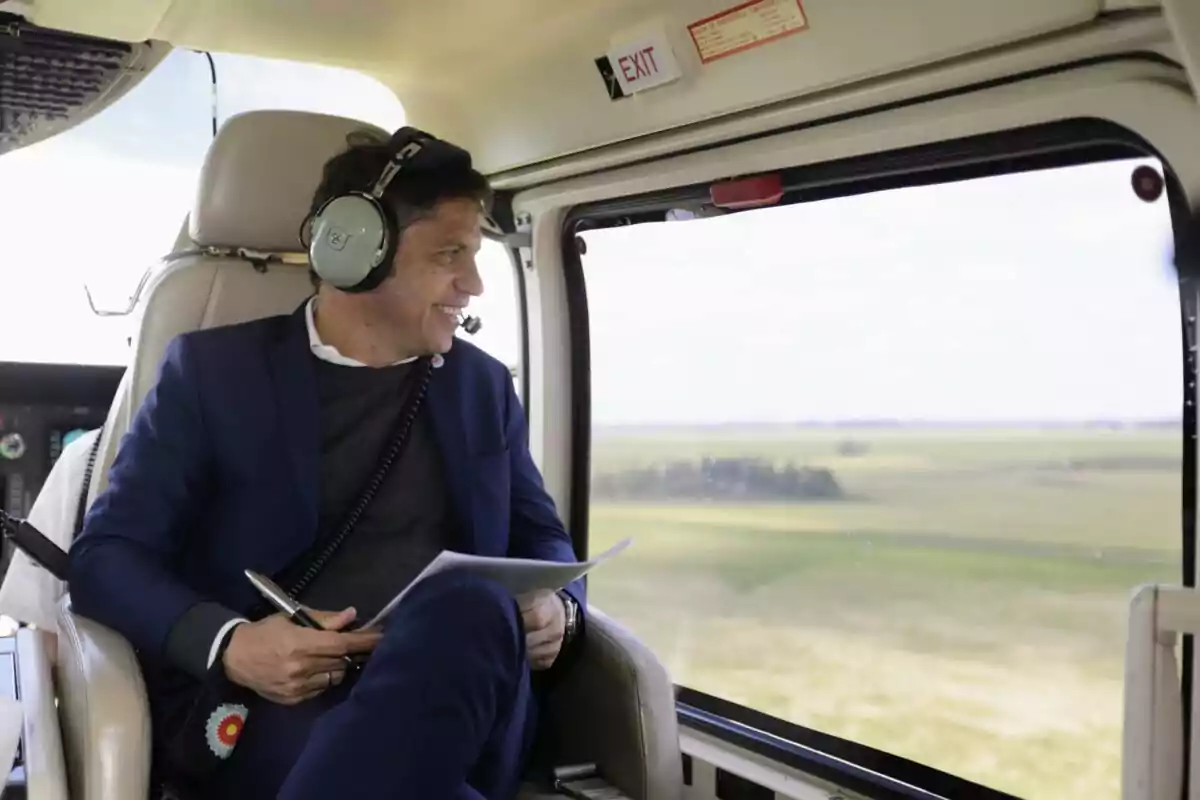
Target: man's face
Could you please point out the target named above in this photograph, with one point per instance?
(434, 278)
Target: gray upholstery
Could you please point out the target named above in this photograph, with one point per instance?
(616, 708)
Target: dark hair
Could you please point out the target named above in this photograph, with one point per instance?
(413, 193)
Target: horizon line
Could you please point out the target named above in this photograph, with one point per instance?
(910, 422)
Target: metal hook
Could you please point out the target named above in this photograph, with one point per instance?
(137, 293)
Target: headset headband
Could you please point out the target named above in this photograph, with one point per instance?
(353, 236)
(415, 149)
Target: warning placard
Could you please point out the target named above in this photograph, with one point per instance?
(746, 26)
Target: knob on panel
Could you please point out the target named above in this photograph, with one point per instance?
(12, 446)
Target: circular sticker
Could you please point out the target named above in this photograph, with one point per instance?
(225, 725)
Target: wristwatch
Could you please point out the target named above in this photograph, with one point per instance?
(572, 610)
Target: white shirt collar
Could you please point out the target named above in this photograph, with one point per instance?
(327, 352)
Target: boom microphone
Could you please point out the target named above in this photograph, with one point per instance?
(471, 325)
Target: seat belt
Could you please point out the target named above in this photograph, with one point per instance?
(35, 544)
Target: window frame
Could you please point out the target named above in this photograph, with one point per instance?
(525, 393)
(520, 295)
(499, 223)
(855, 766)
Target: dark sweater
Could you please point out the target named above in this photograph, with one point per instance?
(403, 529)
(408, 522)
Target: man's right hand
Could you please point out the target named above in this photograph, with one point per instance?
(287, 663)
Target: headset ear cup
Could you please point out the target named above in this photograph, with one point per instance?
(389, 245)
(349, 238)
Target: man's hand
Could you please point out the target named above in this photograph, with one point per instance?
(287, 663)
(545, 622)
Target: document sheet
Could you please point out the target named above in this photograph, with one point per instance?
(518, 575)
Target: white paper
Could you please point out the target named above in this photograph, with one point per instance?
(518, 575)
(12, 722)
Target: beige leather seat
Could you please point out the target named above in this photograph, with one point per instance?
(615, 709)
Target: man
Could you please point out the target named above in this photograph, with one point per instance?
(252, 450)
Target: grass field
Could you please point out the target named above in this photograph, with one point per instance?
(965, 608)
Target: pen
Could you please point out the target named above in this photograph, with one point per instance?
(280, 599)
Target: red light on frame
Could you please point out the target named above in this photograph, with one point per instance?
(756, 192)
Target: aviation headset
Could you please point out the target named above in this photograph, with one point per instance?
(353, 236)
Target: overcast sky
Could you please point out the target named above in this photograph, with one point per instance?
(1037, 296)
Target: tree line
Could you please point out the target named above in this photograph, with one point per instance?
(718, 479)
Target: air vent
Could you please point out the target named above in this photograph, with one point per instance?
(47, 77)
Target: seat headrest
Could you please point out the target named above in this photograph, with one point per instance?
(260, 174)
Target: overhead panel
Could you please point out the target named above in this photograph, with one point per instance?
(525, 81)
(562, 103)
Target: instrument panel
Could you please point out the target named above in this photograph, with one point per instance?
(43, 407)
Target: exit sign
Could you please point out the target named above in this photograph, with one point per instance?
(644, 64)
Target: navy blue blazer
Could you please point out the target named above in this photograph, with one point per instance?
(219, 473)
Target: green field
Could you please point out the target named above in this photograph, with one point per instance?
(964, 607)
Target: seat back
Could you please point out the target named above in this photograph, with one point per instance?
(242, 258)
(242, 262)
(192, 291)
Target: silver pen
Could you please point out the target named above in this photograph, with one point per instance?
(282, 601)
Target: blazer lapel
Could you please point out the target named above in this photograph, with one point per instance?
(299, 414)
(444, 401)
